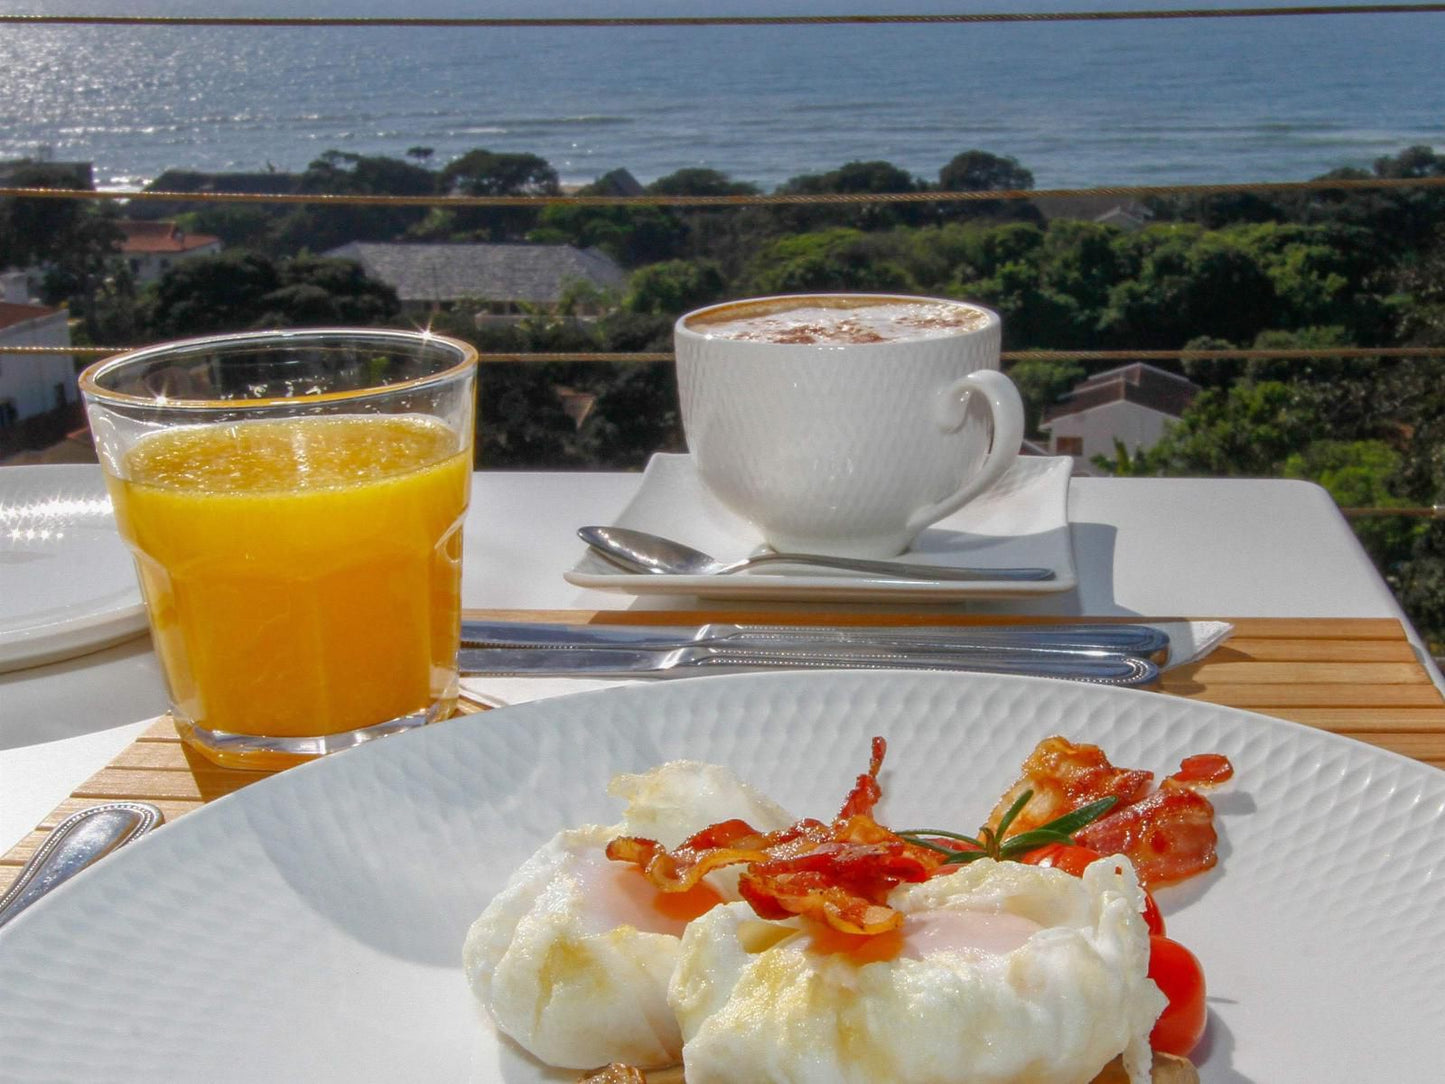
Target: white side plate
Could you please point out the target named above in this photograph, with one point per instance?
(1022, 521)
(67, 581)
(309, 927)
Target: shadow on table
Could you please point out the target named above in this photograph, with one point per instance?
(118, 698)
(1094, 557)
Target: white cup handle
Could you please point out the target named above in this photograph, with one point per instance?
(1006, 410)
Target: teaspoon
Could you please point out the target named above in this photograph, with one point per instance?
(638, 551)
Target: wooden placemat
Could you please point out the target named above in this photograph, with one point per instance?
(1358, 677)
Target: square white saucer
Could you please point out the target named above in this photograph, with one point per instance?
(1023, 520)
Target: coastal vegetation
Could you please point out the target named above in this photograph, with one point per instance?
(1314, 269)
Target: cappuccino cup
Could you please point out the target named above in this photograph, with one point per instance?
(846, 423)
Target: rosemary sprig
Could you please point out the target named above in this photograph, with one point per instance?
(990, 843)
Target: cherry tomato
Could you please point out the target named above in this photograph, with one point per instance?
(1177, 973)
(1074, 858)
(1069, 857)
(1153, 917)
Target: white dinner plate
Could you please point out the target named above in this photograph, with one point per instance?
(67, 581)
(309, 927)
(1021, 521)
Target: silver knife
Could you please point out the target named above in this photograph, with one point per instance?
(1140, 640)
(1104, 668)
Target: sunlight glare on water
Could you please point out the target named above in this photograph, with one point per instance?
(1180, 101)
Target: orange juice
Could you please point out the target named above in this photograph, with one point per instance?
(303, 575)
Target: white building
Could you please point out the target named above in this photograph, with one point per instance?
(151, 249)
(32, 384)
(1132, 405)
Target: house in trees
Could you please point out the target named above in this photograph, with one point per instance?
(34, 388)
(1132, 405)
(150, 249)
(1126, 214)
(509, 281)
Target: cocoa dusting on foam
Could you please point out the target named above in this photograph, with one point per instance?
(887, 322)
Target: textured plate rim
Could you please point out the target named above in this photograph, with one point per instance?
(558, 713)
(104, 621)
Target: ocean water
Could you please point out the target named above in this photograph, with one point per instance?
(1079, 104)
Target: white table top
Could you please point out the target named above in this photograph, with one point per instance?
(1147, 547)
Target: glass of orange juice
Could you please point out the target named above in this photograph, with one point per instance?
(294, 501)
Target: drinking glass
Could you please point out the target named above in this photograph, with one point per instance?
(294, 502)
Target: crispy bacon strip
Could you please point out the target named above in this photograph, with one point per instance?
(839, 873)
(1167, 833)
(727, 843)
(1063, 777)
(843, 883)
(1203, 770)
(866, 792)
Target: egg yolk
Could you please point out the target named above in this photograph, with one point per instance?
(619, 894)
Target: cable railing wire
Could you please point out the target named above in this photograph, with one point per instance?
(554, 22)
(1008, 357)
(1134, 191)
(1436, 511)
(1427, 511)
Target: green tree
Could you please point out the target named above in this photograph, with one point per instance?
(635, 414)
(522, 422)
(626, 332)
(60, 232)
(980, 171)
(494, 173)
(1311, 370)
(1400, 220)
(1218, 210)
(76, 241)
(695, 181)
(1248, 430)
(1212, 372)
(854, 178)
(321, 227)
(225, 292)
(315, 292)
(238, 225)
(836, 259)
(1361, 474)
(115, 315)
(674, 287)
(1033, 315)
(633, 236)
(239, 290)
(1003, 267)
(1420, 311)
(724, 236)
(1190, 282)
(1082, 261)
(1406, 404)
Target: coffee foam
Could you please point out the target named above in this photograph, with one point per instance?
(876, 322)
